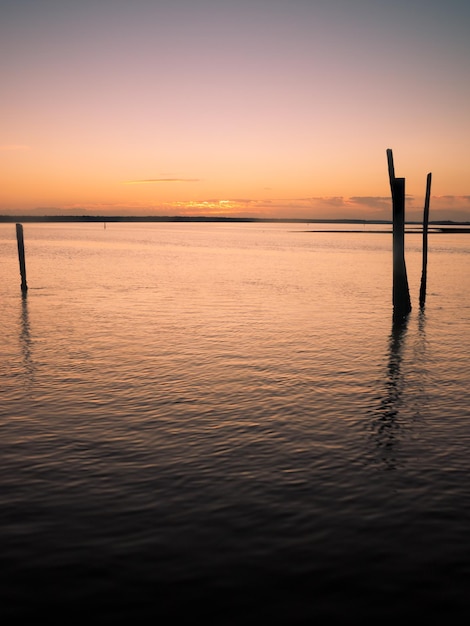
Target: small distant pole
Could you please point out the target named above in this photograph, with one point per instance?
(424, 274)
(401, 292)
(20, 241)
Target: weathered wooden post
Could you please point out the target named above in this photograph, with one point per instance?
(424, 274)
(20, 241)
(401, 292)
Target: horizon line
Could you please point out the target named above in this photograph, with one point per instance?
(8, 218)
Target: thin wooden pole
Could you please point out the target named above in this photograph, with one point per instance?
(20, 241)
(424, 274)
(401, 293)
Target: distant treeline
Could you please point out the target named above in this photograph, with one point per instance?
(184, 218)
(175, 218)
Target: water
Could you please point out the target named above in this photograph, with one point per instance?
(218, 420)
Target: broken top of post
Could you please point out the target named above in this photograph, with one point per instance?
(391, 167)
(401, 293)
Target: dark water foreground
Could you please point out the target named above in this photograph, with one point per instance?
(219, 549)
(237, 512)
(182, 439)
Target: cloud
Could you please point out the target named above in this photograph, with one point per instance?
(163, 180)
(212, 206)
(452, 199)
(325, 200)
(446, 207)
(372, 202)
(304, 208)
(450, 207)
(378, 207)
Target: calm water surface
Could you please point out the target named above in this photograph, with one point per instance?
(219, 420)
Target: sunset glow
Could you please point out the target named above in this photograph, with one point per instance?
(250, 108)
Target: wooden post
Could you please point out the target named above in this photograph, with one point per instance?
(20, 241)
(401, 292)
(424, 274)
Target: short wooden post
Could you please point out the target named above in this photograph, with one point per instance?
(20, 241)
(424, 274)
(401, 292)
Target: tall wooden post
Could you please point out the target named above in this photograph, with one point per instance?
(401, 292)
(20, 241)
(424, 274)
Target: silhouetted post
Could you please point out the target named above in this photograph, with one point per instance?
(424, 274)
(401, 292)
(20, 241)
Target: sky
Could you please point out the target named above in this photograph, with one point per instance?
(257, 108)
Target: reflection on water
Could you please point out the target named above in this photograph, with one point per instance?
(421, 344)
(387, 423)
(194, 423)
(420, 359)
(403, 390)
(395, 378)
(25, 340)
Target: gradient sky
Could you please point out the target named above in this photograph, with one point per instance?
(274, 108)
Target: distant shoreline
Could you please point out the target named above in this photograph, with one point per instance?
(176, 218)
(450, 226)
(433, 230)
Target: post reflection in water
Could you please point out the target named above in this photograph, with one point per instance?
(420, 359)
(386, 425)
(25, 340)
(389, 416)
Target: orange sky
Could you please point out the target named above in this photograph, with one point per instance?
(251, 107)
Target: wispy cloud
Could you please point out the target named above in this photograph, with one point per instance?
(452, 199)
(321, 207)
(212, 206)
(162, 180)
(372, 202)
